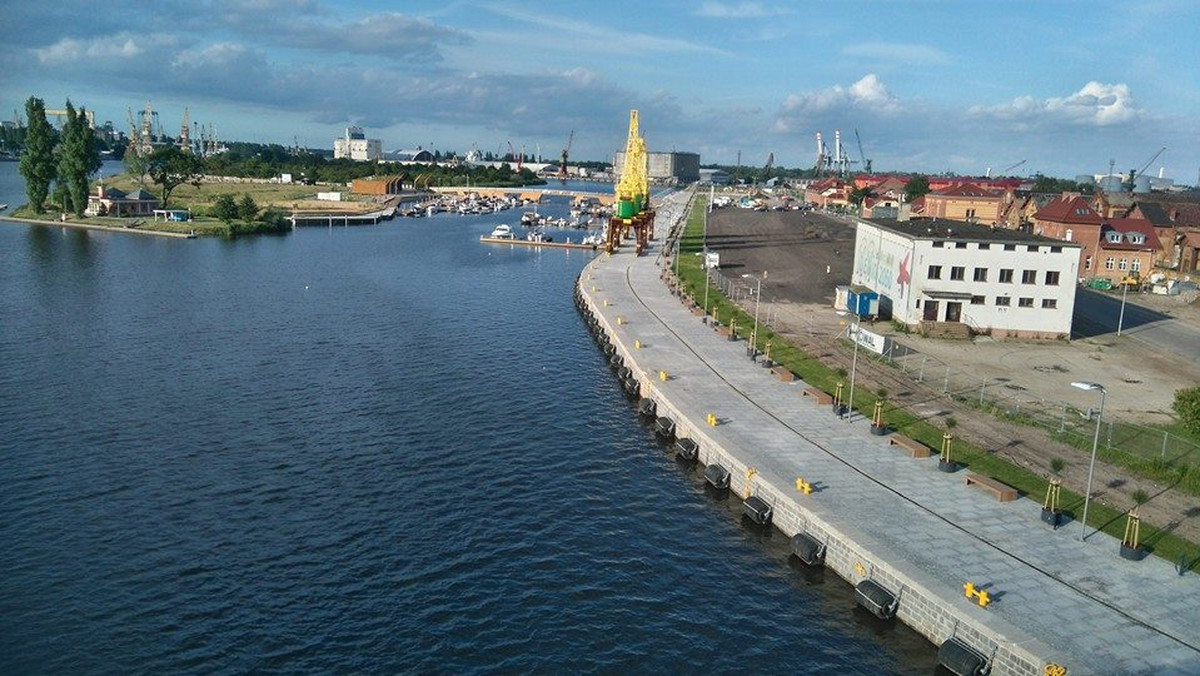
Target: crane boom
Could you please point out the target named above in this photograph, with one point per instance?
(562, 166)
(1150, 161)
(862, 155)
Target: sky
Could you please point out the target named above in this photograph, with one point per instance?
(930, 85)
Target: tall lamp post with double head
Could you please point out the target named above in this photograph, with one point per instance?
(757, 301)
(1087, 496)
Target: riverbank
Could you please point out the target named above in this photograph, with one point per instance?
(84, 225)
(896, 520)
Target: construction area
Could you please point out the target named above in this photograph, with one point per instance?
(1013, 398)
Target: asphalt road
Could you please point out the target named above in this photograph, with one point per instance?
(1098, 314)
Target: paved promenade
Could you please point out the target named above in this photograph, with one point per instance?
(898, 520)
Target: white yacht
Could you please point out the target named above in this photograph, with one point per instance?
(501, 231)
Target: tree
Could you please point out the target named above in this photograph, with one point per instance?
(171, 167)
(247, 208)
(78, 158)
(37, 162)
(859, 194)
(1187, 405)
(917, 186)
(225, 208)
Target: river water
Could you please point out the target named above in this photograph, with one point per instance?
(386, 449)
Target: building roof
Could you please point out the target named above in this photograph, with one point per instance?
(1125, 226)
(1072, 209)
(936, 229)
(1155, 213)
(966, 190)
(140, 194)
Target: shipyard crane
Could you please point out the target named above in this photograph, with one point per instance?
(185, 130)
(562, 166)
(1139, 172)
(861, 154)
(822, 154)
(512, 154)
(632, 210)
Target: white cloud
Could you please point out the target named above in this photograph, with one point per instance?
(739, 10)
(1096, 104)
(67, 50)
(899, 52)
(869, 95)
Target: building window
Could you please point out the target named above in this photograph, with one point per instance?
(1029, 276)
(1124, 264)
(957, 273)
(1070, 237)
(1135, 265)
(1114, 237)
(984, 246)
(1006, 276)
(1003, 301)
(1025, 302)
(1087, 264)
(1135, 237)
(1010, 247)
(1058, 249)
(938, 245)
(935, 272)
(976, 300)
(960, 245)
(970, 213)
(1032, 248)
(1049, 303)
(1052, 277)
(981, 274)
(1110, 263)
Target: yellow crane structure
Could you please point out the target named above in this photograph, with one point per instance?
(632, 212)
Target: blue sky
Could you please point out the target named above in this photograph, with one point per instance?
(931, 85)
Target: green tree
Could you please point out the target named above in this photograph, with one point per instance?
(78, 158)
(247, 208)
(917, 186)
(1187, 405)
(37, 161)
(225, 208)
(859, 194)
(171, 167)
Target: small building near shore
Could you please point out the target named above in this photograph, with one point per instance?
(955, 279)
(118, 203)
(378, 185)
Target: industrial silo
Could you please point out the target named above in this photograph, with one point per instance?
(1085, 179)
(1141, 184)
(1112, 184)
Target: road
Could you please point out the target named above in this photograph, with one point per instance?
(1097, 314)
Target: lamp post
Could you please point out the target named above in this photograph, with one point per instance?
(1087, 497)
(853, 368)
(707, 283)
(1121, 318)
(757, 302)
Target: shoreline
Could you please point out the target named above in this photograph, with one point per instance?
(93, 226)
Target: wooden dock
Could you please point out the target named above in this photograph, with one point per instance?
(549, 245)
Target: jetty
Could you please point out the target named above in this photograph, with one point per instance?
(979, 575)
(532, 243)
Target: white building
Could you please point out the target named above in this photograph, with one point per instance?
(948, 277)
(356, 146)
(683, 167)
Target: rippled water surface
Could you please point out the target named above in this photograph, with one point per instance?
(384, 448)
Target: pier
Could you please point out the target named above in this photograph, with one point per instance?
(531, 243)
(1049, 603)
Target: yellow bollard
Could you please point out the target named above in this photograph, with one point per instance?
(803, 486)
(620, 320)
(662, 375)
(984, 598)
(637, 344)
(969, 589)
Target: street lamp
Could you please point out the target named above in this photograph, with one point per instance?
(1087, 497)
(1121, 318)
(853, 367)
(707, 270)
(757, 302)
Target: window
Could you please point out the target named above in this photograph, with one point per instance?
(1025, 302)
(1124, 264)
(935, 272)
(1049, 303)
(981, 274)
(938, 245)
(957, 273)
(1003, 301)
(1087, 264)
(1070, 236)
(1052, 277)
(984, 246)
(976, 300)
(970, 213)
(1032, 248)
(1010, 247)
(1110, 263)
(1113, 237)
(1058, 249)
(1029, 276)
(1136, 237)
(1135, 265)
(960, 245)
(1006, 276)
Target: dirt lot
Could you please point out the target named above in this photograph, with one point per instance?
(803, 256)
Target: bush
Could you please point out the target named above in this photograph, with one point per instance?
(1187, 405)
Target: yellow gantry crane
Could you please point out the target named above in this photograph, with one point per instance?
(632, 210)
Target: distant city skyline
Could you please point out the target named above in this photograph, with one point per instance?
(931, 86)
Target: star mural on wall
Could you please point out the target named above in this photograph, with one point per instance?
(904, 278)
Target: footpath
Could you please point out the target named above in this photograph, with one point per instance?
(884, 516)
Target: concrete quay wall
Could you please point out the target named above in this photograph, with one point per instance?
(932, 607)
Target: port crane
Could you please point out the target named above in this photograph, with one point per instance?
(1139, 172)
(861, 154)
(770, 165)
(562, 166)
(632, 210)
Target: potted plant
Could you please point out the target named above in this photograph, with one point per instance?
(878, 427)
(1051, 513)
(945, 464)
(1131, 545)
